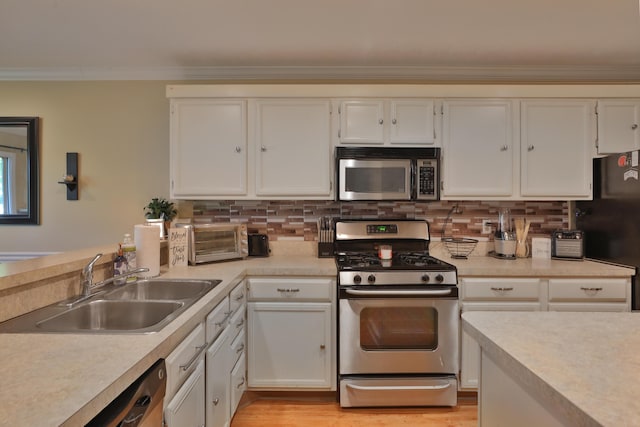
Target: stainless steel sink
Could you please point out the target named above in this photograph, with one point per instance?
(162, 289)
(105, 315)
(143, 306)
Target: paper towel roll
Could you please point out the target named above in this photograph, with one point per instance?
(147, 249)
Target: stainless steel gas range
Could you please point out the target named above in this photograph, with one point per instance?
(398, 316)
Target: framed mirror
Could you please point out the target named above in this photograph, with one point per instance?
(19, 170)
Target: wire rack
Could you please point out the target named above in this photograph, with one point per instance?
(459, 247)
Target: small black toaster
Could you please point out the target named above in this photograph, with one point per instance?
(259, 245)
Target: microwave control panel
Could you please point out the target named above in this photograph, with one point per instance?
(427, 179)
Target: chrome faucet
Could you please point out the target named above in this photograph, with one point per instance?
(87, 279)
(87, 276)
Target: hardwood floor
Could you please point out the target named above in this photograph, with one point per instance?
(270, 412)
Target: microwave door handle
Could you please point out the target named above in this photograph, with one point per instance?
(434, 292)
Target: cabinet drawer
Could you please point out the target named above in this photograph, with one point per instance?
(238, 382)
(299, 289)
(238, 297)
(500, 289)
(217, 319)
(237, 347)
(236, 325)
(588, 289)
(183, 359)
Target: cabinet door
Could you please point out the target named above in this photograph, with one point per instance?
(412, 122)
(469, 347)
(618, 122)
(208, 148)
(218, 383)
(477, 148)
(238, 382)
(289, 345)
(293, 148)
(187, 406)
(362, 122)
(557, 146)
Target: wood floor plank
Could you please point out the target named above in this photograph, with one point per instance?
(287, 413)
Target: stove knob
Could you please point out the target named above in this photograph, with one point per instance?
(439, 278)
(371, 278)
(357, 279)
(425, 278)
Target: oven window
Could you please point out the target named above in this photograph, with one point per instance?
(399, 328)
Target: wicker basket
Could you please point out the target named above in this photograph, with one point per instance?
(459, 248)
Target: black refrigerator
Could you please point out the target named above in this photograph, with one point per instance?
(611, 221)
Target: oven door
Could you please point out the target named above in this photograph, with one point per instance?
(398, 331)
(382, 179)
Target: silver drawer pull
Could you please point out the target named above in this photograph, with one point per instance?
(288, 290)
(502, 289)
(199, 348)
(241, 383)
(223, 321)
(216, 401)
(240, 348)
(240, 297)
(240, 323)
(590, 289)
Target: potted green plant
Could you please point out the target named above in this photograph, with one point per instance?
(162, 211)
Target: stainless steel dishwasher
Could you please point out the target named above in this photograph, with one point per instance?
(140, 405)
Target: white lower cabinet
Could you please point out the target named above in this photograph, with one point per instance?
(291, 338)
(186, 408)
(218, 399)
(533, 294)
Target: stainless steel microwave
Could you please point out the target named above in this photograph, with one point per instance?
(210, 242)
(377, 173)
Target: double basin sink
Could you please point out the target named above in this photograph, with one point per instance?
(143, 306)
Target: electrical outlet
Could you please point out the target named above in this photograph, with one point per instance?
(486, 226)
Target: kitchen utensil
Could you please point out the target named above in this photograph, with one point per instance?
(522, 230)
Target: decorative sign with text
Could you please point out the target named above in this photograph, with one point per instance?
(177, 247)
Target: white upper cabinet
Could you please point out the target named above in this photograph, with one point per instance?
(208, 148)
(293, 148)
(557, 146)
(384, 122)
(478, 150)
(618, 122)
(510, 149)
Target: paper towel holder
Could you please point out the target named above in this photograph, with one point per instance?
(70, 179)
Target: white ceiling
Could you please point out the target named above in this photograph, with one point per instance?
(566, 40)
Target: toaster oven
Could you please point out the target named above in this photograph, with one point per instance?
(209, 242)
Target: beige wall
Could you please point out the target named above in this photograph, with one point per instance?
(121, 132)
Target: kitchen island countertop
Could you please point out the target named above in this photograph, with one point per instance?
(583, 366)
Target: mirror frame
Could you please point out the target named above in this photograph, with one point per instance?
(33, 186)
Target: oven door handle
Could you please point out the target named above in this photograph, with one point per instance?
(399, 387)
(433, 292)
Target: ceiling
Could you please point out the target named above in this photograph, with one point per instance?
(436, 40)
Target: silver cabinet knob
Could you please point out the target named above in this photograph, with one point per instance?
(380, 121)
(530, 148)
(238, 149)
(263, 148)
(216, 401)
(634, 126)
(504, 148)
(394, 121)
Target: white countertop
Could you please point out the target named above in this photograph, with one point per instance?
(65, 379)
(584, 365)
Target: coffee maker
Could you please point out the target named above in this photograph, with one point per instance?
(505, 236)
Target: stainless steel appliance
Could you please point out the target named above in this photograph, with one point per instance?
(567, 244)
(398, 317)
(140, 405)
(375, 173)
(216, 241)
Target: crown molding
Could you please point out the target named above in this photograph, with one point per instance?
(436, 74)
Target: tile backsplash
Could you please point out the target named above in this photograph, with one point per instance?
(297, 219)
